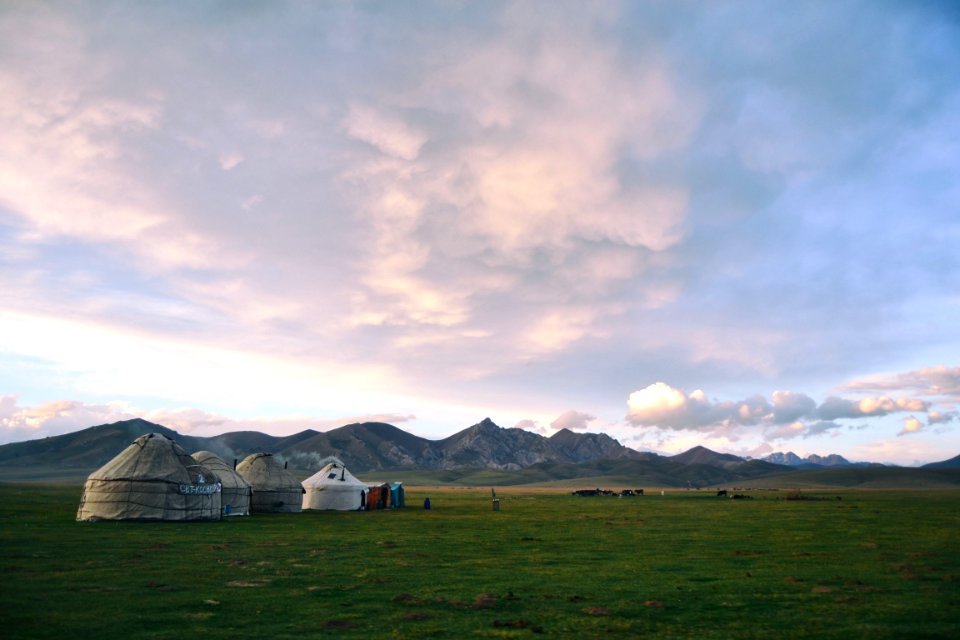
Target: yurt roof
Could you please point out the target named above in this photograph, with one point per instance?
(265, 473)
(153, 456)
(334, 474)
(228, 476)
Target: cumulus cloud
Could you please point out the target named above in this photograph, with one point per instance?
(787, 415)
(572, 420)
(789, 406)
(661, 405)
(532, 425)
(911, 425)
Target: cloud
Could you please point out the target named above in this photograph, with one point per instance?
(789, 406)
(572, 420)
(941, 417)
(53, 418)
(230, 161)
(532, 425)
(388, 133)
(664, 406)
(787, 415)
(834, 408)
(911, 425)
(18, 423)
(931, 381)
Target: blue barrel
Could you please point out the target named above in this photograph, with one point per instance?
(426, 503)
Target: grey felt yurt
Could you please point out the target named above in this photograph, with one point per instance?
(236, 492)
(274, 488)
(334, 488)
(152, 479)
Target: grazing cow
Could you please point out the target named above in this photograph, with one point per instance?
(586, 492)
(722, 492)
(740, 496)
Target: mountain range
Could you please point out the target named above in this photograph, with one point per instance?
(511, 455)
(814, 461)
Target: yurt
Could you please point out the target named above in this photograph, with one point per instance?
(333, 487)
(236, 492)
(152, 479)
(274, 488)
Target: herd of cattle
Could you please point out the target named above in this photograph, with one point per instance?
(721, 493)
(607, 492)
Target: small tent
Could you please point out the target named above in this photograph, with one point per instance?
(397, 495)
(152, 479)
(333, 487)
(379, 497)
(274, 488)
(236, 492)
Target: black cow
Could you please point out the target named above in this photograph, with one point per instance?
(722, 492)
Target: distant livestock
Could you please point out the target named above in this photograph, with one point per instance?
(722, 492)
(607, 492)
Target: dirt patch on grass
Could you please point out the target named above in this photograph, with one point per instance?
(406, 598)
(198, 615)
(416, 615)
(596, 611)
(338, 624)
(246, 584)
(484, 600)
(517, 624)
(653, 604)
(160, 586)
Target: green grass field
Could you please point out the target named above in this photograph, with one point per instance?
(878, 564)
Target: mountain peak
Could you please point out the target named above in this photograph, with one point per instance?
(701, 455)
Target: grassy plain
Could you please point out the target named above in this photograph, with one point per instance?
(878, 564)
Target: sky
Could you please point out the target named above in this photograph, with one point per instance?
(728, 224)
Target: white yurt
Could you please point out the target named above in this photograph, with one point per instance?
(236, 492)
(333, 487)
(152, 479)
(274, 488)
